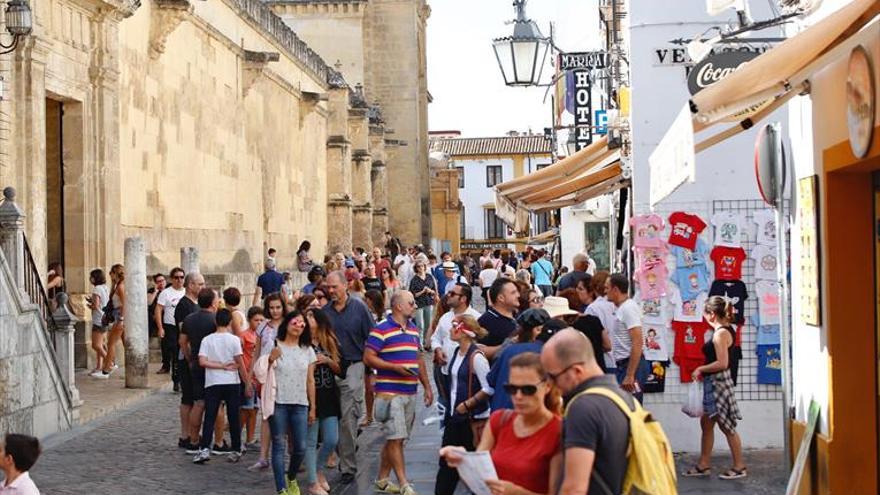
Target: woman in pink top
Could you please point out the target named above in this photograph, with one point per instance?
(525, 442)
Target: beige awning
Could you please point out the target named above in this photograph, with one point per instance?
(782, 69)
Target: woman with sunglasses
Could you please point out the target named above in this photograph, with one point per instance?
(468, 406)
(524, 443)
(320, 294)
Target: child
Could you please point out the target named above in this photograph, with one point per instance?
(249, 406)
(18, 453)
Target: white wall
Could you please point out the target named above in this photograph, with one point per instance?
(572, 232)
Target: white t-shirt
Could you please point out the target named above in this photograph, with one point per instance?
(765, 262)
(267, 334)
(220, 347)
(628, 316)
(442, 335)
(766, 222)
(481, 369)
(687, 310)
(100, 294)
(603, 309)
(487, 276)
(728, 228)
(168, 299)
(291, 372)
(405, 271)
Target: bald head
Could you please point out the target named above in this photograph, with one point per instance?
(570, 346)
(403, 304)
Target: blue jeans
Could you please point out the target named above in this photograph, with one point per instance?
(329, 438)
(296, 418)
(642, 372)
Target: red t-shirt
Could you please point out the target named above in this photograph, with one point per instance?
(684, 229)
(728, 262)
(689, 339)
(524, 461)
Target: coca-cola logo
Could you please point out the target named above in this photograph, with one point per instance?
(716, 67)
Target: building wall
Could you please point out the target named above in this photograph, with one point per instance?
(445, 208)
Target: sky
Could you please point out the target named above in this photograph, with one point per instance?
(463, 74)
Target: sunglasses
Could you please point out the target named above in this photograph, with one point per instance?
(527, 390)
(555, 376)
(536, 299)
(177, 277)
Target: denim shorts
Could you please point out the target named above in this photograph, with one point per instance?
(709, 408)
(248, 403)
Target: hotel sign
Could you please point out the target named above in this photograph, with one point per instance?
(583, 60)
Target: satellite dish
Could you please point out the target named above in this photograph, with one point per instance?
(770, 164)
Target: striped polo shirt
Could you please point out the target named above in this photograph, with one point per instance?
(395, 345)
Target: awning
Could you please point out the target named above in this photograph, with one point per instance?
(544, 237)
(783, 70)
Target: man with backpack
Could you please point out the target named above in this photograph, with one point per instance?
(601, 421)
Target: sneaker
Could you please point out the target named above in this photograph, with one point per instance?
(203, 456)
(221, 449)
(260, 465)
(408, 490)
(193, 448)
(385, 486)
(292, 487)
(95, 373)
(234, 456)
(101, 375)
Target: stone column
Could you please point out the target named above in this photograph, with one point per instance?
(137, 340)
(12, 236)
(65, 326)
(189, 259)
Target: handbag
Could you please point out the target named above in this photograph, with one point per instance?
(107, 317)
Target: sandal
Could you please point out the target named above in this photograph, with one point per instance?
(733, 474)
(697, 472)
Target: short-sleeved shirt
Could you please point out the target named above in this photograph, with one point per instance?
(270, 282)
(524, 461)
(352, 326)
(417, 284)
(220, 348)
(103, 295)
(248, 344)
(499, 327)
(185, 307)
(196, 327)
(596, 423)
(542, 270)
(398, 345)
(168, 299)
(291, 374)
(628, 317)
(571, 279)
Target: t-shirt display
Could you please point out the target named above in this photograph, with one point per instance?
(768, 302)
(655, 346)
(769, 370)
(646, 230)
(653, 309)
(656, 381)
(691, 281)
(734, 291)
(766, 222)
(728, 228)
(689, 339)
(690, 310)
(686, 258)
(652, 281)
(768, 335)
(728, 262)
(650, 257)
(684, 229)
(765, 262)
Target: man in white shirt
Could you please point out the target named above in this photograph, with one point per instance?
(459, 299)
(18, 453)
(166, 303)
(403, 263)
(632, 369)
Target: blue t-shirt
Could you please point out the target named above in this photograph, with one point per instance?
(691, 281)
(500, 373)
(686, 258)
(768, 335)
(308, 288)
(542, 270)
(270, 282)
(769, 365)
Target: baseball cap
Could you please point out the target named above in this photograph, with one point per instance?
(349, 263)
(550, 328)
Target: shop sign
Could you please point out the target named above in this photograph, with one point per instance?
(715, 67)
(860, 101)
(673, 162)
(583, 109)
(583, 60)
(483, 245)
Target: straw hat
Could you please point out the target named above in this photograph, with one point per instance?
(558, 306)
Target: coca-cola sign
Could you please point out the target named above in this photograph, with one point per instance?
(716, 67)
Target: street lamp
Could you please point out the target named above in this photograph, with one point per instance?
(18, 23)
(521, 56)
(571, 146)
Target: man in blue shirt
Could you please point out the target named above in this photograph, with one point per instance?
(270, 282)
(542, 273)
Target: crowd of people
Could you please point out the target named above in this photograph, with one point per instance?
(302, 370)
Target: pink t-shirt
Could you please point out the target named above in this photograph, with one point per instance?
(649, 257)
(652, 281)
(646, 230)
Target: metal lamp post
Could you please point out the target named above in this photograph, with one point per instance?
(521, 56)
(19, 22)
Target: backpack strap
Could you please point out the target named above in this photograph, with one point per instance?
(616, 399)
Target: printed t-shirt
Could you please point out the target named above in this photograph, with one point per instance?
(652, 281)
(728, 228)
(769, 371)
(326, 389)
(628, 317)
(688, 353)
(168, 299)
(646, 230)
(220, 348)
(728, 262)
(690, 310)
(734, 291)
(654, 347)
(767, 335)
(397, 345)
(766, 221)
(649, 257)
(768, 302)
(524, 461)
(686, 258)
(291, 374)
(684, 229)
(765, 262)
(267, 334)
(653, 309)
(691, 281)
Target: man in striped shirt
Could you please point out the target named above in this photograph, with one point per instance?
(392, 349)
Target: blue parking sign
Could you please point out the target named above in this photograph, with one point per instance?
(601, 122)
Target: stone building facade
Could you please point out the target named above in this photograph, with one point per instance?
(381, 45)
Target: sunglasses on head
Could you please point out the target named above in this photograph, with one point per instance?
(527, 390)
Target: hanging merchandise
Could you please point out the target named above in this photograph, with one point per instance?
(690, 310)
(766, 222)
(649, 257)
(656, 382)
(691, 281)
(765, 262)
(647, 230)
(728, 262)
(652, 281)
(685, 229)
(734, 291)
(688, 352)
(768, 301)
(653, 309)
(655, 347)
(686, 258)
(766, 334)
(728, 228)
(769, 370)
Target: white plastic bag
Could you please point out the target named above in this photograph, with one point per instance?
(693, 401)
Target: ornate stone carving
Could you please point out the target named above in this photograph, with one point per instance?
(166, 16)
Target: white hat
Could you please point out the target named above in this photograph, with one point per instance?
(448, 265)
(558, 306)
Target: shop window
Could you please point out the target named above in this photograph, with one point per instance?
(596, 237)
(495, 228)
